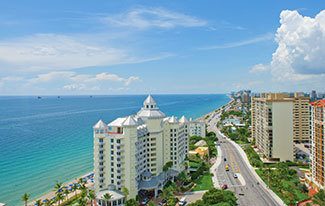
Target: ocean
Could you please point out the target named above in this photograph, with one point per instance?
(50, 139)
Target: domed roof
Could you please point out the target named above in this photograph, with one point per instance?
(130, 121)
(173, 119)
(149, 100)
(183, 119)
(100, 125)
(150, 109)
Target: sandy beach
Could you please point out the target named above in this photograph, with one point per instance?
(51, 194)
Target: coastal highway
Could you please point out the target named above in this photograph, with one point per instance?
(247, 188)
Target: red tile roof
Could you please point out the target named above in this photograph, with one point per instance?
(318, 103)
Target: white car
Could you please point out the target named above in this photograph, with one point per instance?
(182, 202)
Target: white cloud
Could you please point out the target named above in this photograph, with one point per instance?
(68, 81)
(259, 68)
(60, 52)
(144, 18)
(265, 37)
(67, 76)
(301, 48)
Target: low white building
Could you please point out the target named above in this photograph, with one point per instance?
(197, 128)
(131, 151)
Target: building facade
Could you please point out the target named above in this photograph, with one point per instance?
(277, 121)
(130, 152)
(317, 155)
(197, 128)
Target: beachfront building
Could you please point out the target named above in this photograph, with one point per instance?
(197, 128)
(130, 152)
(277, 121)
(317, 143)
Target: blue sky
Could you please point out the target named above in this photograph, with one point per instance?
(136, 47)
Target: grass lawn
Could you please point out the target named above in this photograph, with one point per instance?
(203, 183)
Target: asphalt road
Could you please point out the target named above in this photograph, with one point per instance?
(248, 191)
(246, 187)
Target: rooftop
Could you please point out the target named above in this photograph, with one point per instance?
(318, 103)
(115, 195)
(100, 125)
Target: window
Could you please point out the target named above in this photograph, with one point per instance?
(101, 140)
(118, 141)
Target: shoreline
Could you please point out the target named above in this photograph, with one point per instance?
(215, 111)
(51, 194)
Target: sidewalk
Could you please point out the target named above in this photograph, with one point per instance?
(213, 169)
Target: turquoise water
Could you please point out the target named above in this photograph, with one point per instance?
(50, 139)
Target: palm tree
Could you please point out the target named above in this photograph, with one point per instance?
(125, 192)
(319, 198)
(58, 187)
(66, 193)
(107, 197)
(81, 182)
(39, 203)
(25, 198)
(59, 197)
(47, 202)
(75, 188)
(91, 196)
(82, 201)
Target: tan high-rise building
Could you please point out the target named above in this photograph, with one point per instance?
(301, 120)
(277, 121)
(317, 155)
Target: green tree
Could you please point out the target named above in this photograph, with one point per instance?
(107, 197)
(25, 198)
(39, 202)
(66, 193)
(58, 187)
(75, 188)
(131, 202)
(319, 198)
(91, 196)
(82, 201)
(167, 166)
(217, 197)
(59, 197)
(47, 202)
(125, 192)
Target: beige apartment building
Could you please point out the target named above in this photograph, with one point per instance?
(317, 155)
(277, 121)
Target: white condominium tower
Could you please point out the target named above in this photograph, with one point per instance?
(131, 152)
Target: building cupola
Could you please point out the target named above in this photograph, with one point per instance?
(149, 103)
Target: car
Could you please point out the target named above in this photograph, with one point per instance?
(224, 186)
(235, 176)
(162, 202)
(144, 201)
(182, 202)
